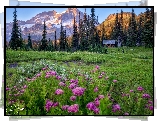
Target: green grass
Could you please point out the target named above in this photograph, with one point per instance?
(131, 69)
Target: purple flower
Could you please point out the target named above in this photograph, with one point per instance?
(25, 86)
(139, 88)
(97, 67)
(114, 81)
(91, 106)
(146, 96)
(151, 108)
(78, 91)
(7, 88)
(53, 73)
(96, 89)
(14, 86)
(73, 108)
(58, 77)
(38, 75)
(48, 105)
(131, 90)
(126, 113)
(102, 73)
(72, 85)
(97, 103)
(150, 102)
(55, 104)
(62, 84)
(47, 76)
(59, 92)
(64, 107)
(96, 110)
(101, 97)
(100, 77)
(116, 107)
(73, 98)
(74, 81)
(22, 91)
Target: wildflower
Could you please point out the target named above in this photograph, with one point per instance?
(55, 104)
(100, 77)
(96, 110)
(44, 68)
(7, 89)
(140, 88)
(131, 90)
(114, 81)
(116, 107)
(96, 89)
(64, 107)
(73, 98)
(150, 102)
(91, 106)
(78, 91)
(101, 97)
(47, 76)
(58, 77)
(74, 81)
(38, 75)
(59, 92)
(103, 73)
(72, 85)
(14, 86)
(97, 67)
(25, 86)
(73, 108)
(146, 96)
(91, 79)
(126, 113)
(22, 91)
(53, 73)
(151, 108)
(48, 105)
(97, 103)
(16, 95)
(62, 84)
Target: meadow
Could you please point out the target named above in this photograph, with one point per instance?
(80, 83)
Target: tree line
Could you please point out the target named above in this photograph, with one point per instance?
(86, 36)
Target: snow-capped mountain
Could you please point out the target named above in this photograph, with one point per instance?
(53, 20)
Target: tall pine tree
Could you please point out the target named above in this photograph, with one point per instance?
(75, 37)
(15, 41)
(29, 42)
(44, 45)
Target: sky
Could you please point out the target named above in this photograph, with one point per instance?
(102, 13)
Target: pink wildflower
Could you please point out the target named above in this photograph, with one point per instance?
(96, 89)
(73, 98)
(78, 91)
(59, 92)
(73, 108)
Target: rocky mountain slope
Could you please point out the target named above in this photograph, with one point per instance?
(34, 26)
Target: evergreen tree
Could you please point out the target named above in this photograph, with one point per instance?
(92, 27)
(140, 35)
(121, 28)
(55, 43)
(75, 37)
(29, 42)
(15, 41)
(50, 45)
(148, 28)
(84, 43)
(43, 45)
(134, 28)
(62, 40)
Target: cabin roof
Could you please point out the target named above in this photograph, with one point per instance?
(109, 42)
